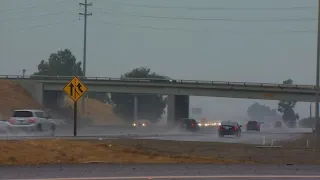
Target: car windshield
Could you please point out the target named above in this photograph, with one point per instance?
(22, 114)
(252, 122)
(228, 123)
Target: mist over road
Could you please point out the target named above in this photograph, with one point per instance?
(163, 133)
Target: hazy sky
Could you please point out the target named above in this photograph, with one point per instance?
(223, 40)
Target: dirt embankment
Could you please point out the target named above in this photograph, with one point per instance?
(99, 112)
(13, 96)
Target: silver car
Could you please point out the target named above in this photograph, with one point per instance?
(31, 120)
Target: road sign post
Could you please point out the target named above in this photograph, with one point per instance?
(75, 89)
(75, 112)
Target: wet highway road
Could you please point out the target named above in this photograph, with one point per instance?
(164, 134)
(163, 171)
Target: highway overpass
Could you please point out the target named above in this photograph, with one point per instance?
(47, 90)
(245, 90)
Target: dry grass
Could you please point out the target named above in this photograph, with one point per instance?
(100, 113)
(14, 97)
(70, 151)
(154, 151)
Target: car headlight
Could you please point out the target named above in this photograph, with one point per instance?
(219, 124)
(134, 124)
(206, 124)
(200, 124)
(143, 124)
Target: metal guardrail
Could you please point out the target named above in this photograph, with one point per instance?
(158, 80)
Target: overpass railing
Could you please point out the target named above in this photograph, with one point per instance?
(156, 80)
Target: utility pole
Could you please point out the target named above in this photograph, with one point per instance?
(317, 74)
(310, 111)
(85, 14)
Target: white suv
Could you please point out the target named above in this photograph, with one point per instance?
(32, 120)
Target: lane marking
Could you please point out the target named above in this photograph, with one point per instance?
(182, 177)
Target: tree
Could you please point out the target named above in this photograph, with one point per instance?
(259, 112)
(150, 106)
(62, 63)
(287, 107)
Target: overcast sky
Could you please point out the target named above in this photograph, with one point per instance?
(223, 40)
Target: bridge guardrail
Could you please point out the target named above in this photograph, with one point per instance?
(158, 80)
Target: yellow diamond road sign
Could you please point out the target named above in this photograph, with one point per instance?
(75, 89)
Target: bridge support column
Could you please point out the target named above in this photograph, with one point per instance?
(178, 107)
(171, 109)
(135, 107)
(38, 94)
(60, 99)
(53, 99)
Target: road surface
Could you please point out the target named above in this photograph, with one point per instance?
(164, 134)
(246, 138)
(164, 171)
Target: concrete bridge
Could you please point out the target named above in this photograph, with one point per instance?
(48, 90)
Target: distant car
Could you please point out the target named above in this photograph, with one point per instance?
(4, 127)
(141, 123)
(163, 79)
(32, 120)
(229, 128)
(314, 129)
(278, 124)
(188, 124)
(253, 125)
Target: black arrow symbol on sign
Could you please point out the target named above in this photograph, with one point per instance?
(71, 89)
(79, 86)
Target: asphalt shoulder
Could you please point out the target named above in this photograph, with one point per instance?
(114, 170)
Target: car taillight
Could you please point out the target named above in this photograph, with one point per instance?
(32, 120)
(235, 128)
(219, 127)
(192, 124)
(11, 121)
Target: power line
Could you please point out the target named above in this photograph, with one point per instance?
(210, 31)
(28, 7)
(41, 15)
(278, 19)
(40, 26)
(213, 8)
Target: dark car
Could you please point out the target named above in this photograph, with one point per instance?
(229, 128)
(253, 126)
(188, 124)
(278, 124)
